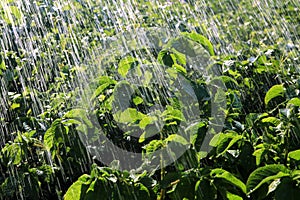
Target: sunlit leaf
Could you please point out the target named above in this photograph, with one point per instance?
(294, 101)
(78, 188)
(265, 175)
(295, 155)
(275, 91)
(176, 138)
(223, 174)
(202, 40)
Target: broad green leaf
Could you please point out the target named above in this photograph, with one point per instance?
(180, 57)
(294, 101)
(227, 79)
(153, 146)
(79, 114)
(78, 188)
(16, 12)
(202, 40)
(2, 65)
(173, 114)
(295, 155)
(275, 91)
(99, 90)
(50, 134)
(231, 196)
(137, 100)
(220, 96)
(273, 120)
(179, 68)
(264, 175)
(15, 105)
(126, 64)
(150, 129)
(130, 115)
(223, 174)
(259, 153)
(234, 140)
(176, 138)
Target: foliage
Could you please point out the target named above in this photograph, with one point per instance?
(49, 47)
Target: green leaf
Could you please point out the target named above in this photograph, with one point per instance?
(96, 191)
(294, 101)
(220, 96)
(265, 175)
(2, 65)
(273, 120)
(50, 134)
(130, 115)
(78, 189)
(231, 196)
(275, 91)
(295, 155)
(99, 90)
(16, 12)
(226, 79)
(173, 114)
(176, 138)
(15, 105)
(259, 153)
(137, 100)
(80, 114)
(180, 57)
(225, 175)
(201, 40)
(126, 64)
(220, 148)
(179, 68)
(150, 129)
(153, 146)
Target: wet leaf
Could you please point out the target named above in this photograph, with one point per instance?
(274, 91)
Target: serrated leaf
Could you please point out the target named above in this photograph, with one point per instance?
(274, 91)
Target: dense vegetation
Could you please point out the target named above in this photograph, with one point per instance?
(52, 96)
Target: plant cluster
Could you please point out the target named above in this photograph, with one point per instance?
(49, 47)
